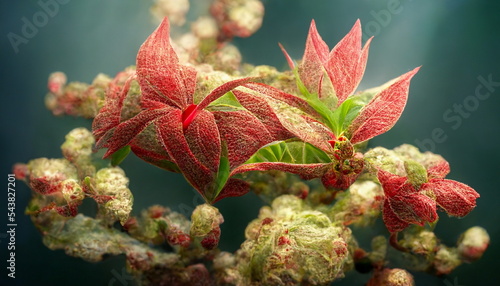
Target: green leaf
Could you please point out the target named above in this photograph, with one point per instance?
(314, 101)
(119, 156)
(345, 114)
(294, 152)
(227, 100)
(222, 177)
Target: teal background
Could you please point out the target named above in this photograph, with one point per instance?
(455, 42)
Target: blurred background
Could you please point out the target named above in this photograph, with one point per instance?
(456, 42)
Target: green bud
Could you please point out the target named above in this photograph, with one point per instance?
(417, 174)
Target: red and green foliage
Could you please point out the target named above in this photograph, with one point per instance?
(243, 125)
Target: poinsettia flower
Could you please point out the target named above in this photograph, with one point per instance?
(201, 141)
(407, 202)
(333, 130)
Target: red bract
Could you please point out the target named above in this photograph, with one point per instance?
(203, 144)
(406, 204)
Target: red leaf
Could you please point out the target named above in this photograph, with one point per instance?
(160, 76)
(304, 127)
(260, 108)
(46, 185)
(122, 134)
(382, 112)
(223, 89)
(391, 183)
(287, 56)
(455, 198)
(169, 128)
(274, 93)
(306, 171)
(160, 159)
(403, 204)
(415, 208)
(347, 62)
(233, 188)
(203, 139)
(391, 220)
(438, 170)
(243, 133)
(147, 146)
(311, 68)
(109, 115)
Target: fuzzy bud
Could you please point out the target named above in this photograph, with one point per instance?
(291, 244)
(175, 10)
(391, 277)
(473, 243)
(205, 222)
(78, 148)
(446, 260)
(112, 182)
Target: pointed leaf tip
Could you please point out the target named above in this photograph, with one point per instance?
(383, 111)
(161, 77)
(346, 63)
(287, 56)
